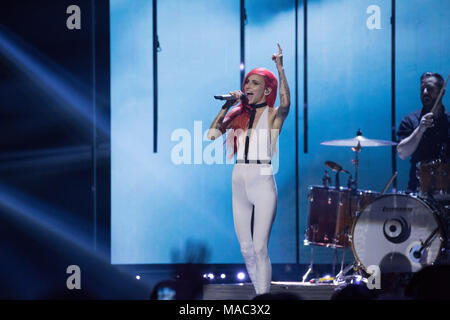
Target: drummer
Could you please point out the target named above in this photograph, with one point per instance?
(423, 135)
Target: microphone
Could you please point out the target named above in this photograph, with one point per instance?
(229, 97)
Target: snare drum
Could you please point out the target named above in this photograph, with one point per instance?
(434, 178)
(331, 214)
(397, 233)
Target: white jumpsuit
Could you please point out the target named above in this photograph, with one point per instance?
(253, 184)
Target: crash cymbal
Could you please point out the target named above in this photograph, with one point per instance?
(363, 142)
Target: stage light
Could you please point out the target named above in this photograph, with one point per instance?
(242, 66)
(222, 276)
(211, 276)
(205, 275)
(51, 78)
(241, 276)
(138, 277)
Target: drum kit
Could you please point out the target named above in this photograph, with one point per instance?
(398, 232)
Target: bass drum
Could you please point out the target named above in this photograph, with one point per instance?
(397, 233)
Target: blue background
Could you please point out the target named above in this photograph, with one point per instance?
(159, 208)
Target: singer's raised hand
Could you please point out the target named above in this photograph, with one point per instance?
(278, 57)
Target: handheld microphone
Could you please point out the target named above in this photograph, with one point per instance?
(228, 97)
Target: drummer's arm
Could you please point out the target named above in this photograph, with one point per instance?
(407, 146)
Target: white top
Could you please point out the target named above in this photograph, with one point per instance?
(259, 147)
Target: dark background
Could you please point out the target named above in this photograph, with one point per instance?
(53, 213)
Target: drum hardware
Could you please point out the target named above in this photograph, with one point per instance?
(418, 253)
(310, 273)
(351, 184)
(310, 268)
(356, 144)
(336, 168)
(333, 210)
(331, 214)
(343, 275)
(326, 179)
(398, 230)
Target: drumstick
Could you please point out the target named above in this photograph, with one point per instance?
(389, 182)
(433, 110)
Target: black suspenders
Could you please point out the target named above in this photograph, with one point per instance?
(249, 132)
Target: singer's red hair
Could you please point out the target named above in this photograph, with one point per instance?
(240, 115)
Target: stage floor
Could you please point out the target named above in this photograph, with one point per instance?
(245, 291)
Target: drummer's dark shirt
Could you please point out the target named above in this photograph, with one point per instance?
(435, 142)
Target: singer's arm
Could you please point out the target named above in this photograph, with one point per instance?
(285, 96)
(218, 127)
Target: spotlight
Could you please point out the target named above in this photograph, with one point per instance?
(222, 276)
(241, 276)
(138, 277)
(205, 275)
(211, 276)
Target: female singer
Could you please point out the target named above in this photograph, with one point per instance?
(255, 125)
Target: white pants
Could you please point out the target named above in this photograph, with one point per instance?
(255, 187)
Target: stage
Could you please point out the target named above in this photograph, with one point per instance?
(137, 137)
(245, 291)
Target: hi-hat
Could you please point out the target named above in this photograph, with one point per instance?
(363, 142)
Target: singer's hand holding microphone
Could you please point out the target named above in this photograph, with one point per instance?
(233, 98)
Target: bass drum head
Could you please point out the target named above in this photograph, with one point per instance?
(389, 233)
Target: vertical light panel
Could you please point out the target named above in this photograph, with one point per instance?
(164, 211)
(423, 44)
(349, 88)
(131, 120)
(269, 23)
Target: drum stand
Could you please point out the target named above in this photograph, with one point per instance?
(342, 277)
(356, 160)
(310, 269)
(310, 273)
(341, 272)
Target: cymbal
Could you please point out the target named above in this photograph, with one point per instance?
(336, 167)
(363, 142)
